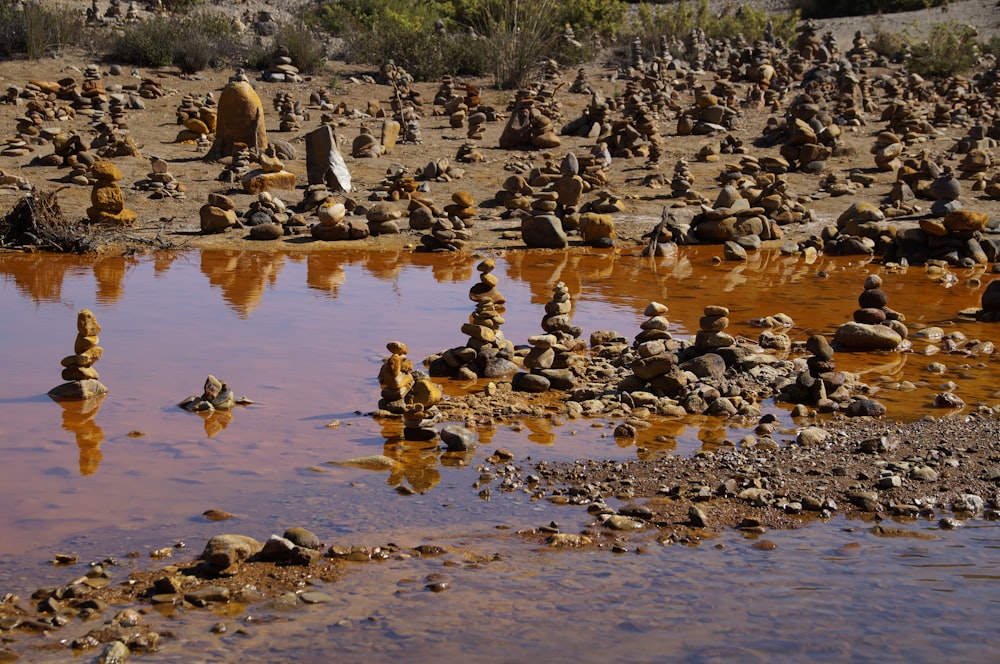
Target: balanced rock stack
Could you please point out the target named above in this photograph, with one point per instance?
(820, 384)
(528, 127)
(888, 151)
(656, 365)
(945, 189)
(238, 166)
(487, 354)
(396, 378)
(551, 354)
(421, 412)
(875, 325)
(218, 214)
(281, 69)
(215, 395)
(542, 229)
(711, 334)
(107, 200)
(160, 182)
(334, 225)
(78, 369)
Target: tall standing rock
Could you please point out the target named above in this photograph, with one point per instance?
(324, 163)
(240, 119)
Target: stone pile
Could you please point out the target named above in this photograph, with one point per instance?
(875, 325)
(712, 326)
(334, 225)
(160, 183)
(709, 115)
(551, 356)
(528, 126)
(78, 369)
(819, 384)
(595, 121)
(281, 69)
(487, 354)
(395, 378)
(383, 218)
(107, 199)
(888, 151)
(238, 165)
(218, 214)
(270, 219)
(290, 112)
(215, 395)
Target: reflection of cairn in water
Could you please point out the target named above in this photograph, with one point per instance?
(487, 354)
(550, 357)
(78, 369)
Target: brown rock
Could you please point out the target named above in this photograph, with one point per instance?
(240, 119)
(966, 220)
(257, 181)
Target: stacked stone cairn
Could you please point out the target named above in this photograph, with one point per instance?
(160, 182)
(334, 225)
(107, 199)
(551, 356)
(78, 368)
(709, 115)
(215, 395)
(819, 384)
(218, 214)
(281, 69)
(409, 393)
(290, 113)
(528, 126)
(875, 325)
(487, 354)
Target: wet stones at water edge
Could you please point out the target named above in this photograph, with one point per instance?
(78, 368)
(216, 396)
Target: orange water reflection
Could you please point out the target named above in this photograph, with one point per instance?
(303, 336)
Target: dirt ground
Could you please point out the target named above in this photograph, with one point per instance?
(644, 189)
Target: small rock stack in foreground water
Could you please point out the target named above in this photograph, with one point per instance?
(78, 369)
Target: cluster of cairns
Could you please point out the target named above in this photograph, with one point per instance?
(107, 199)
(551, 358)
(875, 326)
(746, 212)
(447, 231)
(557, 206)
(487, 353)
(199, 117)
(82, 380)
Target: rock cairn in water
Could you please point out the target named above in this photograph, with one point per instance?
(107, 199)
(819, 384)
(487, 354)
(396, 378)
(78, 368)
(551, 356)
(215, 395)
(875, 325)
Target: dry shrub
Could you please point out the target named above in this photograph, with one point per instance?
(37, 221)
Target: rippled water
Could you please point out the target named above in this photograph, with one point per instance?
(303, 337)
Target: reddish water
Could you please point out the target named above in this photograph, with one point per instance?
(303, 336)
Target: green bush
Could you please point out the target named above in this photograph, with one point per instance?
(511, 35)
(191, 43)
(304, 49)
(36, 30)
(950, 49)
(831, 8)
(651, 23)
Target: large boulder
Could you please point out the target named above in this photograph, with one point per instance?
(240, 119)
